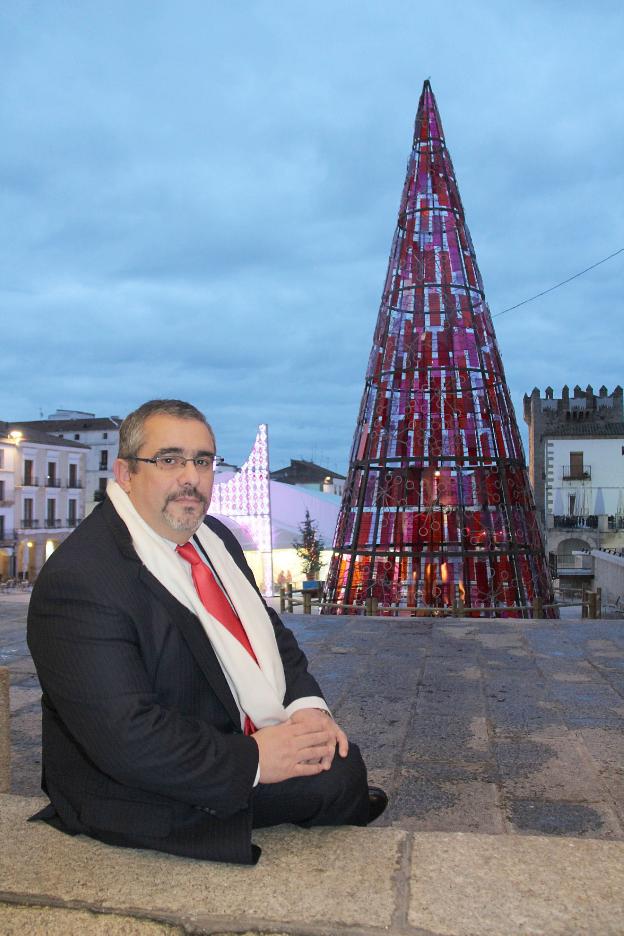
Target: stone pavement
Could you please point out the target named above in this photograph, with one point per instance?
(500, 743)
(477, 725)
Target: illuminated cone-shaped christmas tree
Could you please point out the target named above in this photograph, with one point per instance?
(437, 509)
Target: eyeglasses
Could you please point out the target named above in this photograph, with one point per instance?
(177, 462)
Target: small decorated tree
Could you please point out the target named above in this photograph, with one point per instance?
(309, 547)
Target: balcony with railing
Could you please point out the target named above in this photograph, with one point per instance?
(74, 483)
(589, 522)
(576, 472)
(29, 524)
(7, 537)
(52, 523)
(53, 482)
(73, 521)
(30, 481)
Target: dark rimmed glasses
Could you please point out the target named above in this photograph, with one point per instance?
(177, 462)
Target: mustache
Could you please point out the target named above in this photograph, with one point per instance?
(188, 491)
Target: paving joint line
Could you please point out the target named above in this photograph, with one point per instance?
(604, 677)
(501, 799)
(401, 881)
(205, 924)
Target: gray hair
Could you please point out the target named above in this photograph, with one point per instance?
(132, 429)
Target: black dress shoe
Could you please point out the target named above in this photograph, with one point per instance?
(377, 802)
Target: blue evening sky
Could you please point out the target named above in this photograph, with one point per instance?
(198, 198)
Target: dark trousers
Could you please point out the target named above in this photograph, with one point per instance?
(338, 796)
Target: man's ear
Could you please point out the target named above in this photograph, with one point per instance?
(122, 473)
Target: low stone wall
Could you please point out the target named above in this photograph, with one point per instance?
(316, 882)
(609, 577)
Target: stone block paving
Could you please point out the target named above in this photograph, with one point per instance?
(476, 725)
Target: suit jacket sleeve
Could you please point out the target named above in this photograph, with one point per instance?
(299, 682)
(90, 656)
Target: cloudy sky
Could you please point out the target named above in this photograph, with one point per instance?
(198, 198)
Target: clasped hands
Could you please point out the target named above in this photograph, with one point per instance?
(302, 746)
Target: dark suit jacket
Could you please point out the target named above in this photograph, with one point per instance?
(142, 744)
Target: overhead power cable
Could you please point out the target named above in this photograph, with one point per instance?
(562, 283)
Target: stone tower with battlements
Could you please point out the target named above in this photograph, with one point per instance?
(582, 414)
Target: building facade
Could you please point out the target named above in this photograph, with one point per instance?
(42, 482)
(7, 505)
(309, 475)
(576, 467)
(99, 433)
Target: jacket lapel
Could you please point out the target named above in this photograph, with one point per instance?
(192, 631)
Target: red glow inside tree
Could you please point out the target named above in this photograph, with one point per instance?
(437, 509)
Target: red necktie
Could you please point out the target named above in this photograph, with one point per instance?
(215, 602)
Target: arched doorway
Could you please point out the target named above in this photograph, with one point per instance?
(26, 560)
(567, 547)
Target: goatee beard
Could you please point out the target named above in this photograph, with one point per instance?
(191, 517)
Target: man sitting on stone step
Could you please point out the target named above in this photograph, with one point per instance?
(178, 711)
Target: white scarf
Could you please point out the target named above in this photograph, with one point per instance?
(257, 688)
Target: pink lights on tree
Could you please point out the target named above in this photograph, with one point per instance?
(437, 508)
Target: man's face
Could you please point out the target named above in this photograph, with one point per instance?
(173, 503)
